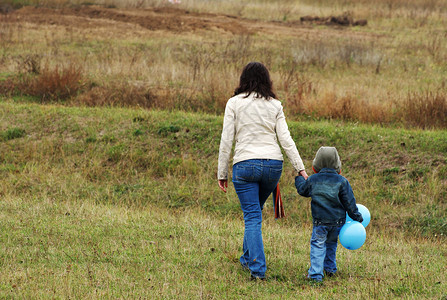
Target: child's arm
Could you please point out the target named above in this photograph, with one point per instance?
(302, 186)
(347, 198)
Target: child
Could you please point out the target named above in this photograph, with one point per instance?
(332, 197)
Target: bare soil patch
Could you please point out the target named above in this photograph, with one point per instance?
(168, 19)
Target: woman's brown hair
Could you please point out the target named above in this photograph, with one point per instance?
(255, 78)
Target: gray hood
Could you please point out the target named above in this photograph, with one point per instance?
(327, 157)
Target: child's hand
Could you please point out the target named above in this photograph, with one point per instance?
(302, 185)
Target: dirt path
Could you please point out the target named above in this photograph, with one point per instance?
(172, 20)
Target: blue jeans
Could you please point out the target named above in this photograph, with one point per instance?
(254, 181)
(323, 248)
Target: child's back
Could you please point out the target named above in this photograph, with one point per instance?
(332, 197)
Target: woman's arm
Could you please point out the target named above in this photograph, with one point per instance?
(226, 142)
(287, 143)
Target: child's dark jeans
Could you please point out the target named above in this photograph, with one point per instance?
(323, 248)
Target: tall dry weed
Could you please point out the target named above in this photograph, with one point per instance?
(216, 94)
(44, 82)
(8, 87)
(332, 106)
(348, 107)
(298, 90)
(425, 110)
(29, 64)
(55, 83)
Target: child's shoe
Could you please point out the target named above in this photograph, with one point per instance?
(253, 277)
(315, 282)
(317, 279)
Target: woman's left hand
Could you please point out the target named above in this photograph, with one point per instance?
(223, 184)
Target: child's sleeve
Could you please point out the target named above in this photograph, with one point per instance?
(302, 186)
(347, 198)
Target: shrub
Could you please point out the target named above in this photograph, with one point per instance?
(54, 84)
(427, 110)
(7, 86)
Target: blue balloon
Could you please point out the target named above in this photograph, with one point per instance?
(365, 214)
(352, 235)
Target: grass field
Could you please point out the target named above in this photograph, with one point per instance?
(110, 121)
(94, 206)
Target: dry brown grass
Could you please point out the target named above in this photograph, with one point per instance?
(361, 75)
(348, 107)
(425, 110)
(209, 93)
(48, 84)
(297, 89)
(55, 84)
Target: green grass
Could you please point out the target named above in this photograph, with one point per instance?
(66, 249)
(123, 203)
(13, 133)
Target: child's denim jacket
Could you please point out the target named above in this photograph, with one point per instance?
(331, 195)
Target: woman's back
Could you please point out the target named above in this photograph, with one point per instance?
(255, 127)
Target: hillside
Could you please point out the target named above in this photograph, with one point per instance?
(139, 157)
(125, 201)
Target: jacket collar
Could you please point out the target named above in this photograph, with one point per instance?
(328, 170)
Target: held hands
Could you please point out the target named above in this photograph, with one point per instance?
(223, 184)
(304, 174)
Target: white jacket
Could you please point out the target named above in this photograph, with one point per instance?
(257, 124)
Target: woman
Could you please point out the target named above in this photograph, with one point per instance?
(255, 119)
